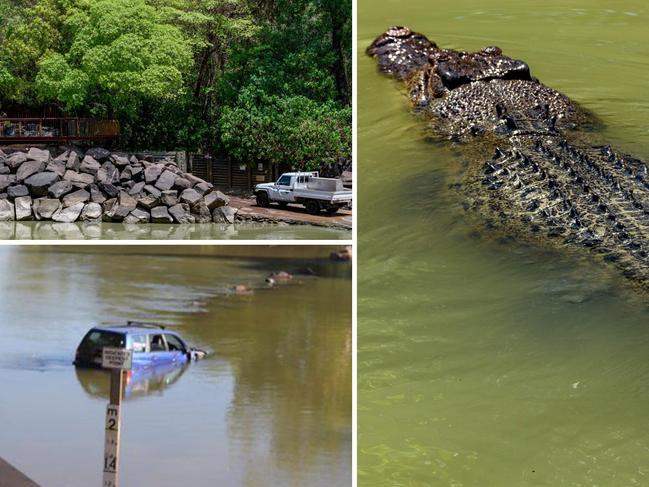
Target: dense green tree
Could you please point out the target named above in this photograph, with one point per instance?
(265, 80)
(293, 130)
(121, 54)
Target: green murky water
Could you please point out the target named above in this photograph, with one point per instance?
(205, 231)
(271, 405)
(483, 363)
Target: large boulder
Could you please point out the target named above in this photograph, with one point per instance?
(152, 173)
(6, 180)
(224, 214)
(165, 181)
(7, 212)
(136, 189)
(160, 214)
(109, 190)
(203, 188)
(216, 199)
(91, 212)
(137, 172)
(40, 155)
(73, 161)
(15, 160)
(56, 166)
(96, 196)
(123, 206)
(181, 213)
(23, 208)
(81, 180)
(138, 216)
(181, 184)
(152, 190)
(126, 174)
(44, 208)
(69, 214)
(98, 153)
(63, 156)
(79, 196)
(120, 161)
(190, 196)
(202, 213)
(108, 174)
(60, 189)
(89, 165)
(17, 191)
(169, 197)
(193, 179)
(148, 202)
(28, 168)
(40, 183)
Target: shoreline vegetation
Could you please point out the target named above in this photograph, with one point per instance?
(262, 81)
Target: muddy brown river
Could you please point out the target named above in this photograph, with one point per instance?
(270, 405)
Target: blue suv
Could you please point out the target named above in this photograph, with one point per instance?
(152, 345)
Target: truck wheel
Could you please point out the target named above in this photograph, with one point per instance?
(332, 210)
(262, 200)
(312, 207)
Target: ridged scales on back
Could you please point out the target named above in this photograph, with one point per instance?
(543, 180)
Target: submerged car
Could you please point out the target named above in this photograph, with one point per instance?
(152, 345)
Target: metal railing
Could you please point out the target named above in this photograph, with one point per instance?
(56, 129)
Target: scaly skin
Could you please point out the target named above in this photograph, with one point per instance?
(535, 172)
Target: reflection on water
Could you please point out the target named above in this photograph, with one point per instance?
(138, 383)
(270, 405)
(46, 230)
(485, 362)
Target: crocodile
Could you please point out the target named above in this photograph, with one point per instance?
(536, 170)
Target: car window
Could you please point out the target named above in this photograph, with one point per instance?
(158, 344)
(139, 343)
(100, 339)
(174, 343)
(284, 180)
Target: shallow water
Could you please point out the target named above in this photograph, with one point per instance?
(32, 230)
(482, 362)
(271, 405)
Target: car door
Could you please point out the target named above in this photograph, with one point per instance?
(141, 355)
(160, 354)
(177, 349)
(283, 189)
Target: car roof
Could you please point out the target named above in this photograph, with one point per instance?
(134, 329)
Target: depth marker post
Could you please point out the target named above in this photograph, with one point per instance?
(119, 360)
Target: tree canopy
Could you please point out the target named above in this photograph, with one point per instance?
(264, 80)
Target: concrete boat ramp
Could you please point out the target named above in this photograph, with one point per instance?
(10, 476)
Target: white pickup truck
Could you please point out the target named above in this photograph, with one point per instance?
(305, 188)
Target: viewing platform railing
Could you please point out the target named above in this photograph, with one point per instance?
(53, 130)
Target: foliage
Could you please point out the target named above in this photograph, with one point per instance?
(293, 130)
(266, 80)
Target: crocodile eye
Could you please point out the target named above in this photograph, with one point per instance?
(398, 31)
(492, 51)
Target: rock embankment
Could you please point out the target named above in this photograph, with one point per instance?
(102, 186)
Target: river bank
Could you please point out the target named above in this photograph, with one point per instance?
(249, 211)
(99, 185)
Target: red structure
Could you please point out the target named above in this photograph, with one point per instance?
(56, 130)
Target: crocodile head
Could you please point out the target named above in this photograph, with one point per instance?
(405, 54)
(470, 92)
